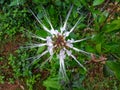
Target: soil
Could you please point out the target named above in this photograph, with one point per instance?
(8, 86)
(9, 47)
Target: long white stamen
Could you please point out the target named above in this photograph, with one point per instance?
(62, 65)
(36, 36)
(38, 56)
(46, 61)
(41, 38)
(69, 53)
(71, 30)
(78, 62)
(49, 23)
(44, 27)
(79, 40)
(65, 23)
(79, 20)
(35, 45)
(48, 20)
(62, 68)
(84, 52)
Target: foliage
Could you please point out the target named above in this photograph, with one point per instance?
(102, 22)
(115, 68)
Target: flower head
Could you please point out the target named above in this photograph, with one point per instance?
(58, 43)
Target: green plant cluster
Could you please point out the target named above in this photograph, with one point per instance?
(16, 20)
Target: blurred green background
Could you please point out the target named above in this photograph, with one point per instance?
(103, 21)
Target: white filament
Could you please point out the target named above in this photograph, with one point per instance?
(44, 27)
(65, 23)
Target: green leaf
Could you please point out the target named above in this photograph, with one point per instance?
(40, 32)
(36, 1)
(115, 67)
(107, 71)
(103, 17)
(97, 2)
(83, 2)
(113, 47)
(113, 26)
(1, 1)
(17, 2)
(52, 83)
(51, 10)
(14, 3)
(58, 2)
(40, 49)
(98, 47)
(77, 2)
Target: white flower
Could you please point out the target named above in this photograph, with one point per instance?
(57, 41)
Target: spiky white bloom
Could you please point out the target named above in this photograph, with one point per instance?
(58, 41)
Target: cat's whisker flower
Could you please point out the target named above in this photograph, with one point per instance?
(58, 43)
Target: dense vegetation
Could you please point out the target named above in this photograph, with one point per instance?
(18, 24)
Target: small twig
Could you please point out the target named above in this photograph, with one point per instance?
(106, 3)
(96, 60)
